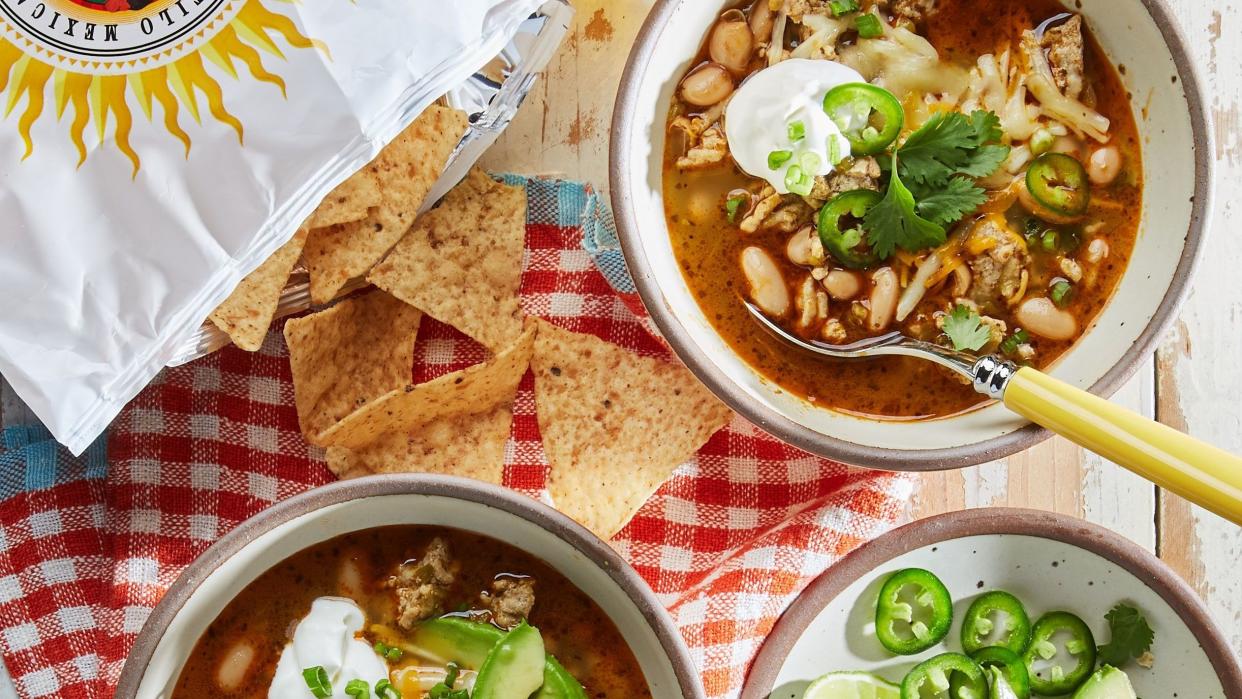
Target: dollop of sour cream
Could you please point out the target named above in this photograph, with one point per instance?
(759, 117)
(327, 637)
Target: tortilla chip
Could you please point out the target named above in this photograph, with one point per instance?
(247, 313)
(472, 446)
(462, 262)
(474, 390)
(349, 355)
(615, 425)
(350, 201)
(404, 171)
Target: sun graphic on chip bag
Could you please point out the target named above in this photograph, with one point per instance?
(95, 59)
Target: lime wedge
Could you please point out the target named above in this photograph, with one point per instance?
(852, 685)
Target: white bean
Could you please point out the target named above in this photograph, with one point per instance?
(842, 285)
(234, 666)
(1068, 145)
(1097, 250)
(1104, 165)
(767, 285)
(883, 299)
(349, 578)
(731, 44)
(804, 248)
(707, 85)
(1042, 317)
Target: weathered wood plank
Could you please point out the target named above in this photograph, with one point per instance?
(1199, 380)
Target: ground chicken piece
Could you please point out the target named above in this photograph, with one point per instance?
(914, 10)
(510, 600)
(711, 149)
(797, 8)
(997, 271)
(423, 585)
(1064, 45)
(768, 201)
(789, 217)
(863, 173)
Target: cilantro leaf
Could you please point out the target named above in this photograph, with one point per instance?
(948, 204)
(1130, 635)
(895, 222)
(951, 143)
(966, 329)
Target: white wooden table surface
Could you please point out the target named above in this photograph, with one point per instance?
(1193, 383)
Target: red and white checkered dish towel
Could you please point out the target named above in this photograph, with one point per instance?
(89, 545)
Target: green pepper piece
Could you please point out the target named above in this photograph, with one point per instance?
(929, 594)
(950, 675)
(1010, 666)
(844, 245)
(993, 611)
(1055, 679)
(869, 117)
(1059, 182)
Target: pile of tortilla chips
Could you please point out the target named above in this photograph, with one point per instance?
(614, 425)
(352, 228)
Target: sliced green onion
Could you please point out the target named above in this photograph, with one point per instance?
(1011, 343)
(810, 162)
(1050, 240)
(869, 26)
(843, 7)
(394, 654)
(317, 682)
(797, 131)
(450, 675)
(777, 158)
(1060, 292)
(732, 206)
(385, 690)
(798, 181)
(359, 689)
(380, 648)
(1041, 141)
(834, 151)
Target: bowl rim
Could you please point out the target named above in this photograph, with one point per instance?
(1151, 571)
(621, 172)
(653, 613)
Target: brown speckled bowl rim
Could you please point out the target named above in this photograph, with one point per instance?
(624, 177)
(761, 679)
(558, 525)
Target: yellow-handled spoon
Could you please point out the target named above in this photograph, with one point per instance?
(1201, 473)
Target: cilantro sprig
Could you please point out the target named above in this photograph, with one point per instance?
(966, 330)
(931, 181)
(1130, 636)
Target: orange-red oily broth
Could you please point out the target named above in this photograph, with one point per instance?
(238, 654)
(709, 201)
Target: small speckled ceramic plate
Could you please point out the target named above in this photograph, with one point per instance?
(1050, 562)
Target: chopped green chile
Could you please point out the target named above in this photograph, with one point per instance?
(925, 620)
(1010, 344)
(1043, 659)
(844, 245)
(1011, 667)
(869, 117)
(1059, 183)
(733, 206)
(996, 618)
(948, 675)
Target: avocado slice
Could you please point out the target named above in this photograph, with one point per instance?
(558, 683)
(467, 643)
(1107, 683)
(514, 666)
(454, 639)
